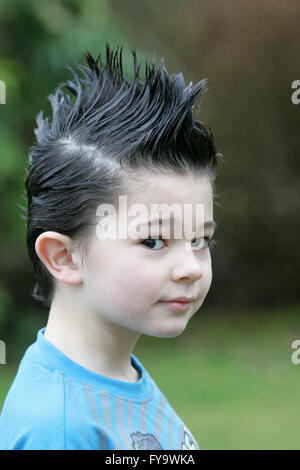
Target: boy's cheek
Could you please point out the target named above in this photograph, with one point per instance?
(209, 280)
(205, 282)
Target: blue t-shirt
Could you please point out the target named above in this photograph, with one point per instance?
(55, 403)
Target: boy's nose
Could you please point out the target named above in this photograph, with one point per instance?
(188, 267)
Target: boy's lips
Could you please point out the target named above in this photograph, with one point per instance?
(179, 303)
(180, 299)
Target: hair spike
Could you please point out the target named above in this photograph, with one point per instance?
(91, 63)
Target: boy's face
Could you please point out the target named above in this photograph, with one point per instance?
(126, 280)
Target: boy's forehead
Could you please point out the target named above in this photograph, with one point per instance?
(173, 199)
(169, 189)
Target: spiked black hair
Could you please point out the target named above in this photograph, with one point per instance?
(113, 128)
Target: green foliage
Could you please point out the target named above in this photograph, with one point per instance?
(5, 301)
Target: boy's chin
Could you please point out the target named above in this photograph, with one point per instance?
(168, 332)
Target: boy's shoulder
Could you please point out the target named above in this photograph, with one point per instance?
(33, 411)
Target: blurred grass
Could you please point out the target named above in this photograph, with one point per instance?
(228, 376)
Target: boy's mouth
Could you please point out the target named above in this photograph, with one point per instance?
(181, 299)
(180, 303)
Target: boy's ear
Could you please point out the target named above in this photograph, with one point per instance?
(59, 255)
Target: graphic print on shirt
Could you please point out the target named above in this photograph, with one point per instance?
(147, 441)
(142, 441)
(188, 441)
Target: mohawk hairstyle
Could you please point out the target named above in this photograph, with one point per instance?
(114, 127)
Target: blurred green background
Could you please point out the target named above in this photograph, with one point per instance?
(229, 375)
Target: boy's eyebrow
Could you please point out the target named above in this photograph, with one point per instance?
(210, 224)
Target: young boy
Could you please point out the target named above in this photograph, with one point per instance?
(79, 386)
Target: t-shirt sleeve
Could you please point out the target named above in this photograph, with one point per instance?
(37, 414)
(32, 417)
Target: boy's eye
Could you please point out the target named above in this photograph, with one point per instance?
(202, 242)
(153, 240)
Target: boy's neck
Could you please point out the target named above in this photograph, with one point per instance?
(97, 345)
